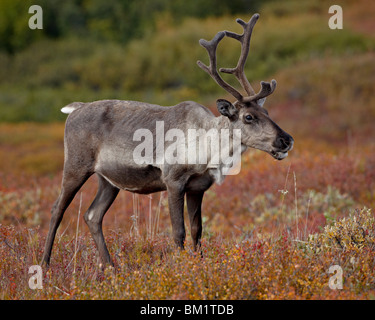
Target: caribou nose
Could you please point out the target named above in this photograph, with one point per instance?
(285, 143)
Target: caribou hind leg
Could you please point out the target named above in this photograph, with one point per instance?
(105, 196)
(71, 183)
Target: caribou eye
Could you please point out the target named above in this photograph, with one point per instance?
(249, 118)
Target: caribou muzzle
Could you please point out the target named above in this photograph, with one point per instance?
(282, 145)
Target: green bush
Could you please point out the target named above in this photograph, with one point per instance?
(160, 67)
(104, 20)
(349, 234)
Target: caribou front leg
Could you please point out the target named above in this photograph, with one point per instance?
(176, 211)
(194, 204)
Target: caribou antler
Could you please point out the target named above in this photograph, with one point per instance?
(266, 87)
(211, 46)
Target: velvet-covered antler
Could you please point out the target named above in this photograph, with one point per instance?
(211, 46)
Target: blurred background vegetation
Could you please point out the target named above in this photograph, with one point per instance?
(147, 50)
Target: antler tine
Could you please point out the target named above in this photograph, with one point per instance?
(266, 89)
(244, 38)
(211, 47)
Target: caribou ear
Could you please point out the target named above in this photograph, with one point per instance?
(261, 102)
(227, 109)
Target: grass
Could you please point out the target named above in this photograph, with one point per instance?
(254, 266)
(259, 239)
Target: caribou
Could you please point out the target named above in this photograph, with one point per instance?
(100, 138)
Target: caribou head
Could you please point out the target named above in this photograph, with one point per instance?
(247, 113)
